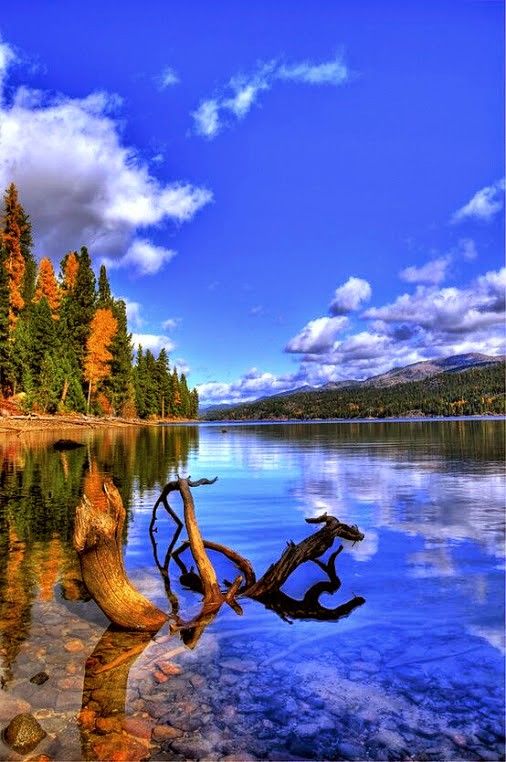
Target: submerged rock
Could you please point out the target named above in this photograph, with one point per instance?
(40, 678)
(66, 444)
(23, 733)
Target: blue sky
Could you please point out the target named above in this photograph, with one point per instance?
(285, 193)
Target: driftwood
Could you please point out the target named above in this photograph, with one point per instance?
(98, 535)
(98, 538)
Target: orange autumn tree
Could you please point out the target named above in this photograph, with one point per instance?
(47, 286)
(97, 362)
(14, 260)
(70, 266)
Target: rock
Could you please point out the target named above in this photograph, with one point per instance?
(350, 751)
(138, 727)
(39, 758)
(166, 732)
(66, 444)
(120, 748)
(12, 705)
(169, 668)
(86, 718)
(160, 677)
(40, 678)
(23, 733)
(74, 645)
(105, 725)
(239, 665)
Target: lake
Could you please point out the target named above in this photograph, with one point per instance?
(414, 672)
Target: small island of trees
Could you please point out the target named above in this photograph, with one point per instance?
(64, 340)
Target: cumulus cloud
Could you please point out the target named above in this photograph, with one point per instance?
(431, 272)
(78, 180)
(237, 98)
(251, 385)
(317, 336)
(350, 296)
(451, 310)
(152, 341)
(142, 257)
(484, 205)
(168, 77)
(430, 322)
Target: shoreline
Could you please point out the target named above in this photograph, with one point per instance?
(21, 423)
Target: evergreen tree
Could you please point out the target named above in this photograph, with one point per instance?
(78, 305)
(118, 387)
(175, 395)
(163, 384)
(47, 286)
(194, 408)
(104, 290)
(151, 392)
(42, 337)
(185, 397)
(26, 242)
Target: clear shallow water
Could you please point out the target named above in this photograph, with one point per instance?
(417, 672)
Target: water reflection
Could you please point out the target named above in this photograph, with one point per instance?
(418, 671)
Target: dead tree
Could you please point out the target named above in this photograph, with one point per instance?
(98, 540)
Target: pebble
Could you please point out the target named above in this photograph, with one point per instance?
(23, 733)
(74, 645)
(239, 665)
(166, 732)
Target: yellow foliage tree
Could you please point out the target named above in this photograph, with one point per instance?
(98, 357)
(14, 262)
(70, 268)
(47, 286)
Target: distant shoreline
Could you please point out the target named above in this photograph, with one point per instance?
(404, 419)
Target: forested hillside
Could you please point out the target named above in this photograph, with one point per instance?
(470, 392)
(64, 341)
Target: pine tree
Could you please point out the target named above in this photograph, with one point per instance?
(78, 305)
(118, 386)
(104, 290)
(194, 409)
(175, 395)
(163, 384)
(185, 397)
(26, 242)
(42, 337)
(98, 357)
(151, 392)
(69, 267)
(47, 286)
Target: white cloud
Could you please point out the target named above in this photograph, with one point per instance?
(134, 313)
(7, 57)
(467, 249)
(240, 94)
(142, 257)
(449, 310)
(207, 119)
(168, 78)
(350, 296)
(152, 341)
(77, 179)
(484, 205)
(252, 385)
(431, 272)
(171, 323)
(317, 336)
(328, 73)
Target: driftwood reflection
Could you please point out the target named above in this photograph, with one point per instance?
(267, 590)
(98, 541)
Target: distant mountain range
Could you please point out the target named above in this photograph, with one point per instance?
(305, 396)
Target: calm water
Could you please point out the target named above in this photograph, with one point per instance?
(416, 672)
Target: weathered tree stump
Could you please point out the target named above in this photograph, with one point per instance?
(98, 534)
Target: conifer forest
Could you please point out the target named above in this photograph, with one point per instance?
(64, 340)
